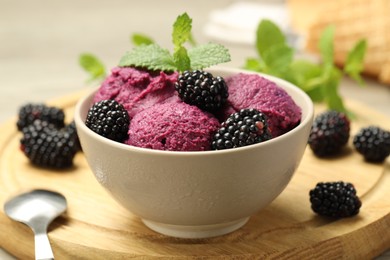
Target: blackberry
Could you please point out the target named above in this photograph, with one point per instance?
(47, 146)
(335, 199)
(71, 129)
(329, 133)
(202, 89)
(246, 127)
(31, 112)
(373, 143)
(110, 119)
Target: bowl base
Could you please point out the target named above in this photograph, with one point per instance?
(195, 231)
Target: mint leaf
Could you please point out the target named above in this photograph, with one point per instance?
(254, 64)
(151, 56)
(319, 80)
(326, 45)
(316, 93)
(181, 30)
(354, 63)
(332, 97)
(209, 54)
(181, 34)
(268, 34)
(140, 39)
(192, 41)
(302, 71)
(278, 57)
(181, 59)
(91, 64)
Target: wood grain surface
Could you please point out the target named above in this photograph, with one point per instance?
(96, 227)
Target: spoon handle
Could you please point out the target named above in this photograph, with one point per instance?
(42, 247)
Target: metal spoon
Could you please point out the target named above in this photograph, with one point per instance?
(37, 209)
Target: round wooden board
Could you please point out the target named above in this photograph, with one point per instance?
(96, 227)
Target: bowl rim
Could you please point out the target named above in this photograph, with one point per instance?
(80, 124)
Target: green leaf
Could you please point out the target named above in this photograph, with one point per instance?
(151, 56)
(181, 59)
(332, 97)
(91, 64)
(278, 57)
(319, 81)
(181, 30)
(268, 34)
(326, 45)
(209, 54)
(192, 41)
(302, 71)
(354, 63)
(316, 93)
(140, 39)
(254, 65)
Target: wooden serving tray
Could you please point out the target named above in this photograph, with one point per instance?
(96, 227)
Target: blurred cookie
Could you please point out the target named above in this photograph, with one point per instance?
(354, 20)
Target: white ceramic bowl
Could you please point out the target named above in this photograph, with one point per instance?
(197, 194)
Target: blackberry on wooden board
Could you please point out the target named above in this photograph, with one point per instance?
(30, 112)
(335, 199)
(329, 133)
(47, 146)
(373, 143)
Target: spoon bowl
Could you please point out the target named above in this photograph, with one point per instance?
(37, 209)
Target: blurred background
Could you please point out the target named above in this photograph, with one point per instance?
(41, 40)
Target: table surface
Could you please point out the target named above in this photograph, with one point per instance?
(41, 41)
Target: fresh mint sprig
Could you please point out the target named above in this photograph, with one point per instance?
(93, 66)
(141, 39)
(154, 57)
(319, 80)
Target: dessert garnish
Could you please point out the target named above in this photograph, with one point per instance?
(47, 141)
(108, 118)
(202, 89)
(31, 112)
(373, 143)
(92, 64)
(46, 145)
(320, 80)
(329, 133)
(245, 127)
(154, 57)
(335, 199)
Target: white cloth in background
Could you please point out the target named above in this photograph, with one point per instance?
(238, 22)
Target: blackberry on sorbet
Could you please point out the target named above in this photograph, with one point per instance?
(202, 89)
(31, 112)
(373, 143)
(335, 199)
(110, 119)
(246, 127)
(329, 133)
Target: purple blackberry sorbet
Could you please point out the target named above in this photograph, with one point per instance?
(254, 91)
(160, 120)
(174, 126)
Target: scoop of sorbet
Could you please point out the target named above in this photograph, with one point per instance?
(137, 89)
(174, 126)
(254, 91)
